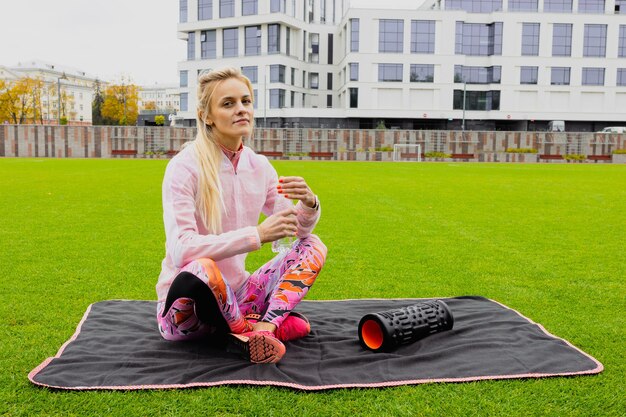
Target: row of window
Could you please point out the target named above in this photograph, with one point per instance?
(558, 6)
(227, 8)
(486, 38)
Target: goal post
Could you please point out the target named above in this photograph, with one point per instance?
(407, 152)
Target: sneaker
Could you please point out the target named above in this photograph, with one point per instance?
(256, 346)
(295, 326)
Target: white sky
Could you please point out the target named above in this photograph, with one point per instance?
(104, 38)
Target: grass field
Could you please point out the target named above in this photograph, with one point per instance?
(547, 240)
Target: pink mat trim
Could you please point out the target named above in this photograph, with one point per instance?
(599, 368)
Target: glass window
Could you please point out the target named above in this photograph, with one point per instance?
(184, 76)
(293, 99)
(277, 98)
(354, 97)
(560, 76)
(182, 11)
(277, 6)
(208, 47)
(390, 35)
(253, 40)
(287, 40)
(557, 6)
(277, 73)
(354, 71)
(590, 6)
(252, 73)
(329, 81)
(477, 100)
(528, 75)
(322, 11)
(422, 36)
(523, 5)
(593, 76)
(205, 9)
(273, 38)
(474, 6)
(422, 73)
(329, 100)
(191, 46)
(314, 80)
(621, 48)
(227, 8)
(478, 38)
(595, 40)
(249, 7)
(390, 72)
(354, 35)
(562, 39)
(230, 42)
(620, 6)
(621, 77)
(293, 76)
(530, 39)
(477, 75)
(183, 101)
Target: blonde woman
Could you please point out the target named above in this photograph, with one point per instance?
(213, 193)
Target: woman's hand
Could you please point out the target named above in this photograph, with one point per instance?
(278, 225)
(296, 188)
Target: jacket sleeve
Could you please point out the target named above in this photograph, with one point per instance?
(182, 238)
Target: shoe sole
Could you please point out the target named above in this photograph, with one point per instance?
(256, 348)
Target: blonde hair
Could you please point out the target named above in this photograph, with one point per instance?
(208, 152)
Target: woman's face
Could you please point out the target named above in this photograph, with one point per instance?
(232, 113)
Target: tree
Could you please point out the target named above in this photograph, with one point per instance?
(150, 105)
(159, 120)
(121, 103)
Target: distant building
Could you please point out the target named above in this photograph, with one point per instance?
(478, 64)
(159, 97)
(77, 84)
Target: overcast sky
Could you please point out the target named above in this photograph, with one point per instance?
(105, 38)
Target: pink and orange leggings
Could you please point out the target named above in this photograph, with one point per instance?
(200, 301)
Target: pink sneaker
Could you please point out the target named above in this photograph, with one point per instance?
(295, 326)
(256, 346)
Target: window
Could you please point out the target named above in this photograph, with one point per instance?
(562, 39)
(390, 35)
(230, 42)
(523, 5)
(477, 75)
(422, 36)
(277, 73)
(208, 47)
(253, 40)
(528, 75)
(354, 97)
(478, 38)
(329, 81)
(191, 46)
(205, 9)
(249, 7)
(183, 101)
(476, 100)
(530, 39)
(621, 77)
(354, 71)
(182, 11)
(288, 40)
(252, 73)
(184, 75)
(422, 73)
(620, 6)
(474, 6)
(557, 6)
(314, 80)
(560, 76)
(277, 6)
(322, 11)
(354, 35)
(390, 72)
(595, 41)
(227, 8)
(293, 99)
(590, 6)
(277, 98)
(273, 38)
(621, 48)
(593, 76)
(293, 76)
(329, 100)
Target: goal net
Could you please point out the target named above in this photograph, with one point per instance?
(407, 152)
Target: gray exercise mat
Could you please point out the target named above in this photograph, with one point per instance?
(117, 346)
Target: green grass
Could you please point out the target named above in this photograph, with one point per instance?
(547, 240)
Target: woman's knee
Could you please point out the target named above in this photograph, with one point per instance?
(315, 245)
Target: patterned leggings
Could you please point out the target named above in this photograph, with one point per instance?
(273, 291)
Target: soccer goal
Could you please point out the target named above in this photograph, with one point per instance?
(407, 152)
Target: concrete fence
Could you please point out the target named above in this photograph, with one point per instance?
(325, 144)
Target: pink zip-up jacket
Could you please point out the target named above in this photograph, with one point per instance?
(246, 192)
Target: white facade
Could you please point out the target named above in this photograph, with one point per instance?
(317, 38)
(166, 98)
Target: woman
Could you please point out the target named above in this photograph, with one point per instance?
(213, 193)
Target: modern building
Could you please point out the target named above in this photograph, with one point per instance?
(76, 86)
(158, 100)
(442, 64)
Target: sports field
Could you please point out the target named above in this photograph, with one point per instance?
(546, 240)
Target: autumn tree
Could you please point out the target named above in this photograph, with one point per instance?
(150, 105)
(121, 103)
(21, 101)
